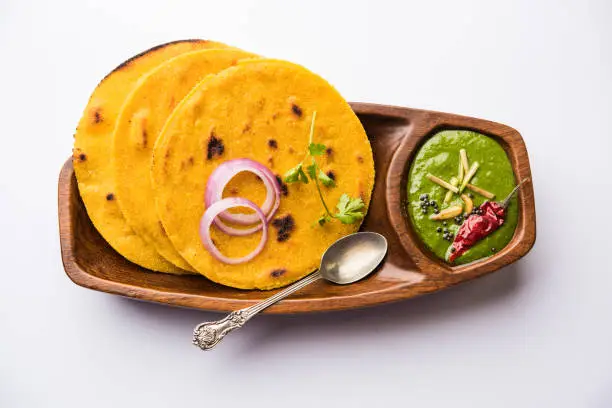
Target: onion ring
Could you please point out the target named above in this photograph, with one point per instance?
(226, 171)
(222, 175)
(211, 214)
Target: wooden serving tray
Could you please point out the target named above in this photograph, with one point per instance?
(409, 269)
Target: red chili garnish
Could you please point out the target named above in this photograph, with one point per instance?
(477, 226)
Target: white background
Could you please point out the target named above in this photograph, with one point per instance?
(536, 334)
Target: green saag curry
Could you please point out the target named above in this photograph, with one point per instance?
(438, 161)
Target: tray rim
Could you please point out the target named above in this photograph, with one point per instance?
(520, 245)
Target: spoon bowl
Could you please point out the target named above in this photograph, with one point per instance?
(353, 257)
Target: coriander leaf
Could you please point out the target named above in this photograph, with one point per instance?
(296, 175)
(293, 175)
(343, 202)
(316, 149)
(352, 204)
(312, 170)
(302, 176)
(349, 209)
(326, 180)
(323, 219)
(349, 219)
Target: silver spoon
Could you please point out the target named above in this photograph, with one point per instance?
(348, 260)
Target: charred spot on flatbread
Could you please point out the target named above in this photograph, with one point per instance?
(277, 273)
(110, 197)
(96, 116)
(261, 103)
(281, 184)
(78, 155)
(195, 42)
(166, 160)
(144, 137)
(187, 163)
(284, 227)
(297, 111)
(272, 143)
(215, 146)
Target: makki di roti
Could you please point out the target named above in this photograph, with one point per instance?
(142, 117)
(260, 110)
(92, 153)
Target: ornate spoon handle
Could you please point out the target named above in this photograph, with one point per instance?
(208, 335)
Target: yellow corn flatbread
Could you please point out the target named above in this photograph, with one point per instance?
(142, 117)
(260, 109)
(92, 153)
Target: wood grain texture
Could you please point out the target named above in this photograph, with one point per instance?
(409, 269)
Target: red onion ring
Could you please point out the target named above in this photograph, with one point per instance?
(222, 175)
(211, 214)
